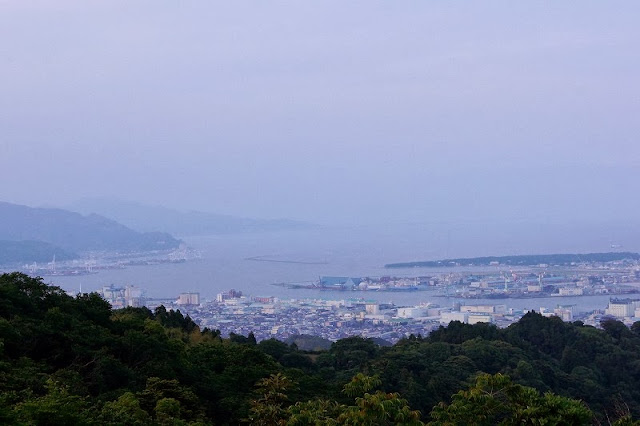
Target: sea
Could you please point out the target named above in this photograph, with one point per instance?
(253, 263)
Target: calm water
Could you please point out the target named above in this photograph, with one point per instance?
(356, 252)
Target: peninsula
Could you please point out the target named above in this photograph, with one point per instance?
(521, 260)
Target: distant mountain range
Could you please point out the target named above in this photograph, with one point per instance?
(51, 231)
(146, 218)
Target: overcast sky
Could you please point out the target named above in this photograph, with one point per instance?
(329, 111)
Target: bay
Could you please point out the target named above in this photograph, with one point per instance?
(303, 256)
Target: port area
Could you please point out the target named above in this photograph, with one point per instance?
(94, 262)
(525, 282)
(360, 284)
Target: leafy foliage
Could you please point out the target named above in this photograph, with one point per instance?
(494, 399)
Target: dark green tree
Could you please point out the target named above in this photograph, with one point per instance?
(494, 400)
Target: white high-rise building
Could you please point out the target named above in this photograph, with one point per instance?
(621, 308)
(189, 299)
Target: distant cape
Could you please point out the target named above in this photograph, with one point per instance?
(520, 260)
(146, 218)
(64, 233)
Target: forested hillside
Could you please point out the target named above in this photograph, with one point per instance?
(16, 252)
(66, 360)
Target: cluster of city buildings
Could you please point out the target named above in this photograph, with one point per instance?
(603, 279)
(270, 317)
(330, 319)
(519, 285)
(132, 296)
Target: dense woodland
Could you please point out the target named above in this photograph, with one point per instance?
(66, 360)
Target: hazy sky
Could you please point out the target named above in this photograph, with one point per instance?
(331, 111)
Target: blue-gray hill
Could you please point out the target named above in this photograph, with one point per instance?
(16, 252)
(146, 218)
(74, 232)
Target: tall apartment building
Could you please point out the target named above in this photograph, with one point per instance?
(189, 299)
(622, 308)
